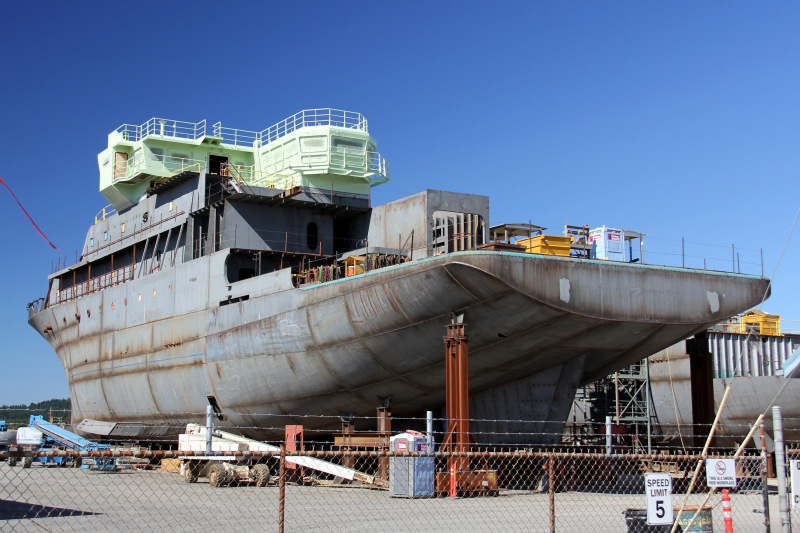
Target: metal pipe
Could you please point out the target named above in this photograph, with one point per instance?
(683, 253)
(429, 431)
(282, 489)
(209, 427)
(647, 399)
(608, 435)
(780, 468)
(764, 486)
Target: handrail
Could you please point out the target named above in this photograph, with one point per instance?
(105, 212)
(235, 137)
(172, 165)
(195, 167)
(314, 117)
(196, 130)
(163, 127)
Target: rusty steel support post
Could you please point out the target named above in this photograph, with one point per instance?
(457, 373)
(384, 429)
(282, 489)
(702, 374)
(348, 428)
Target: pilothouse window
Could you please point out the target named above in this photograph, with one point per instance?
(348, 144)
(313, 144)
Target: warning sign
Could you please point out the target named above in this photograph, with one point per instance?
(721, 472)
(613, 237)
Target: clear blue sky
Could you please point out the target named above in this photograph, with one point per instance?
(676, 119)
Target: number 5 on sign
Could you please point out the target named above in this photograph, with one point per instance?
(658, 488)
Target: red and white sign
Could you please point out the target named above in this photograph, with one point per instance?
(721, 472)
(402, 445)
(614, 237)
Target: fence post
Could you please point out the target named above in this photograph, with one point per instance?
(780, 467)
(764, 486)
(551, 478)
(282, 489)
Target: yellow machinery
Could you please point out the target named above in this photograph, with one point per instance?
(546, 245)
(758, 322)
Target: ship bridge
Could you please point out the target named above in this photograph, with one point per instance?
(317, 149)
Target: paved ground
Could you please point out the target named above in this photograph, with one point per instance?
(51, 499)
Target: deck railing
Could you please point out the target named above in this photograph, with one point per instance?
(196, 130)
(163, 127)
(314, 117)
(83, 288)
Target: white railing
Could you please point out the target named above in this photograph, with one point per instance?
(165, 128)
(370, 163)
(234, 136)
(158, 165)
(195, 130)
(314, 117)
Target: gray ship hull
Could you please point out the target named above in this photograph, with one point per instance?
(148, 353)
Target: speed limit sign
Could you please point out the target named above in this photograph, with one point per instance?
(658, 487)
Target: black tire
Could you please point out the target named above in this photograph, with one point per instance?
(190, 472)
(12, 461)
(217, 476)
(261, 475)
(27, 462)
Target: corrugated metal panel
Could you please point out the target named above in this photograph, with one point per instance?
(736, 354)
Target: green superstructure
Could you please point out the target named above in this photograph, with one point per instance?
(325, 149)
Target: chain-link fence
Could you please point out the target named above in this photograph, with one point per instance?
(384, 480)
(368, 487)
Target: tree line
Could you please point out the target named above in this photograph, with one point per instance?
(19, 415)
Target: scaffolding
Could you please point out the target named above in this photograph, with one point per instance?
(625, 397)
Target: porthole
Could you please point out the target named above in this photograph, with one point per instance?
(105, 235)
(154, 293)
(140, 297)
(91, 241)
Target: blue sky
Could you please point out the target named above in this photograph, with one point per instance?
(676, 119)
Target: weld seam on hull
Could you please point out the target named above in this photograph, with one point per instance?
(137, 364)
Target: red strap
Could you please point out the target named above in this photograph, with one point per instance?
(27, 215)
